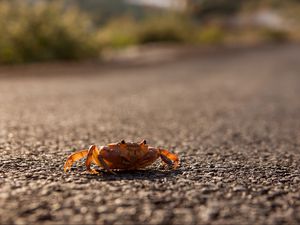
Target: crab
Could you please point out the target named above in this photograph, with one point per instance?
(122, 156)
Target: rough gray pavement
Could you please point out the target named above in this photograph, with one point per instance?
(232, 116)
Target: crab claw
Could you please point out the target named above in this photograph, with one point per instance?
(169, 158)
(73, 158)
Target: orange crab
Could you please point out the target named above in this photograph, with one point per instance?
(122, 155)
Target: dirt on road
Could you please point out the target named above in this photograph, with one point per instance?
(233, 117)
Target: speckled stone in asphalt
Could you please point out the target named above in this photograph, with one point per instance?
(232, 116)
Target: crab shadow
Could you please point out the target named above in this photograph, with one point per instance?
(149, 174)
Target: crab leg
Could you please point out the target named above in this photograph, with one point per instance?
(169, 158)
(103, 163)
(95, 157)
(73, 158)
(92, 156)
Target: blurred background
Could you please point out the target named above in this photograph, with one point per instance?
(43, 30)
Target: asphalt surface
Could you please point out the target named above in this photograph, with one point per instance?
(232, 116)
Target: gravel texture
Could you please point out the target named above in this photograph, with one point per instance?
(232, 116)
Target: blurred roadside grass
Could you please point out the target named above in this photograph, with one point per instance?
(44, 32)
(125, 31)
(118, 33)
(165, 28)
(51, 31)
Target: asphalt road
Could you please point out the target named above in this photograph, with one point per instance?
(233, 117)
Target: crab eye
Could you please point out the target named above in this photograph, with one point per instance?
(123, 142)
(144, 142)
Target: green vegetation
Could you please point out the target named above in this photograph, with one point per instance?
(44, 32)
(274, 35)
(167, 28)
(163, 28)
(211, 35)
(58, 30)
(118, 33)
